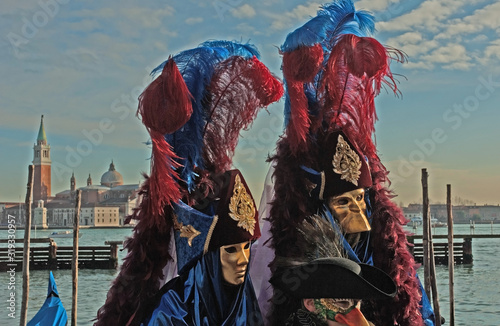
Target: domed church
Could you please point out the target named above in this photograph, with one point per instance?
(104, 205)
(111, 178)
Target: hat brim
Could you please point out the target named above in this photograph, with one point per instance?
(334, 278)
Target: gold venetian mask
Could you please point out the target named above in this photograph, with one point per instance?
(234, 261)
(349, 209)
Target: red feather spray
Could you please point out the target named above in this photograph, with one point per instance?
(164, 106)
(239, 88)
(300, 66)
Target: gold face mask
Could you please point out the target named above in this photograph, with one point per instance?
(234, 262)
(349, 209)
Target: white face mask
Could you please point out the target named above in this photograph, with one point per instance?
(234, 262)
(349, 209)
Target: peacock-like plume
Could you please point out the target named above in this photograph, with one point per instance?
(197, 68)
(305, 53)
(239, 88)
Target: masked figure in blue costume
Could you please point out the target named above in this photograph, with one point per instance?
(326, 162)
(213, 251)
(196, 218)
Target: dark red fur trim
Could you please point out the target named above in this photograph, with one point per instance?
(138, 280)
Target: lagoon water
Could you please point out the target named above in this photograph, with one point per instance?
(477, 286)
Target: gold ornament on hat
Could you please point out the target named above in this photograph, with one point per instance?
(241, 207)
(186, 231)
(346, 162)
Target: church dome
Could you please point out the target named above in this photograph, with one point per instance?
(111, 178)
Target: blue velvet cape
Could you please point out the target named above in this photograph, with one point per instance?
(200, 297)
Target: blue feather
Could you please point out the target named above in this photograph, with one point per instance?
(332, 20)
(197, 67)
(246, 50)
(312, 32)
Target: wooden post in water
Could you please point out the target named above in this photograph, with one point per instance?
(451, 257)
(425, 232)
(432, 270)
(467, 245)
(26, 250)
(74, 267)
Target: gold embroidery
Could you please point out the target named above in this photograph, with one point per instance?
(186, 231)
(323, 183)
(342, 306)
(241, 207)
(346, 162)
(209, 234)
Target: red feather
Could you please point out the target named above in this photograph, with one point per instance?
(355, 71)
(164, 106)
(238, 88)
(300, 66)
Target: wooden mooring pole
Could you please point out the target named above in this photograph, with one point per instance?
(74, 267)
(425, 232)
(26, 250)
(429, 263)
(451, 256)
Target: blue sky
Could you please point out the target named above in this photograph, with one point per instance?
(82, 65)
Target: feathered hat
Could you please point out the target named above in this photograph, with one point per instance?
(333, 70)
(234, 220)
(323, 270)
(194, 111)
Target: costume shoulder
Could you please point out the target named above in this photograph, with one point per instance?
(170, 306)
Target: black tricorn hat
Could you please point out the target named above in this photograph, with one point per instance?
(337, 278)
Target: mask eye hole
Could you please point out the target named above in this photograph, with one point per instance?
(341, 201)
(360, 197)
(247, 245)
(230, 250)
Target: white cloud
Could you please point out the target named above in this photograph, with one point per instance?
(413, 43)
(146, 17)
(85, 25)
(12, 6)
(430, 15)
(299, 15)
(418, 65)
(248, 29)
(452, 56)
(375, 5)
(431, 37)
(480, 38)
(245, 11)
(460, 65)
(484, 18)
(491, 55)
(194, 20)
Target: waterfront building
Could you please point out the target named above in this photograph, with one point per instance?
(104, 205)
(461, 213)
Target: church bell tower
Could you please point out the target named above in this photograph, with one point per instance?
(42, 162)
